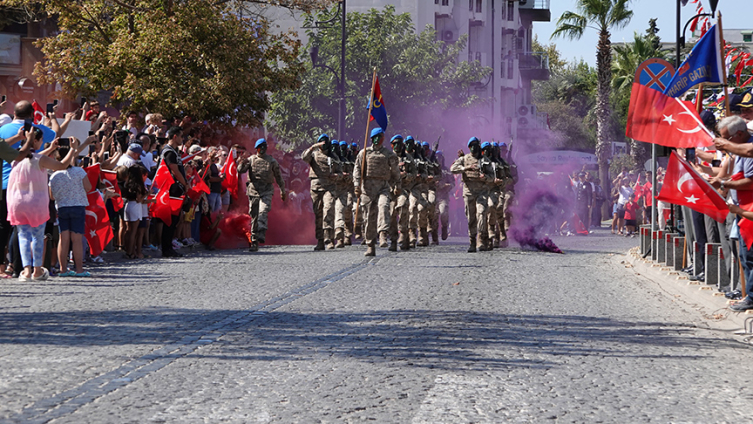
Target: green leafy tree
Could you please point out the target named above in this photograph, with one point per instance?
(423, 83)
(193, 57)
(604, 16)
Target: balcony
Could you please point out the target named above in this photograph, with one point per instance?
(535, 10)
(534, 66)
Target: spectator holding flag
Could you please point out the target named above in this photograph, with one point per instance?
(172, 159)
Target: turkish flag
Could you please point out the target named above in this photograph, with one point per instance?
(163, 177)
(230, 169)
(659, 119)
(39, 113)
(110, 180)
(684, 186)
(199, 187)
(92, 173)
(97, 229)
(161, 207)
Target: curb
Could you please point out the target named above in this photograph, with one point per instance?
(709, 303)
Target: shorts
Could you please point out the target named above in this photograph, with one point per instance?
(132, 211)
(630, 223)
(72, 218)
(144, 210)
(615, 207)
(144, 223)
(226, 198)
(621, 211)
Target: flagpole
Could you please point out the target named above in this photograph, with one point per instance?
(365, 142)
(724, 65)
(699, 99)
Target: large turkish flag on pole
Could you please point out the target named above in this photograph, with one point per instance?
(659, 119)
(684, 186)
(231, 174)
(97, 229)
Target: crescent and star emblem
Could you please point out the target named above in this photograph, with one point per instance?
(670, 120)
(680, 182)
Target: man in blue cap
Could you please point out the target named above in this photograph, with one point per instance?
(325, 170)
(434, 172)
(400, 209)
(476, 177)
(376, 178)
(419, 202)
(263, 171)
(497, 233)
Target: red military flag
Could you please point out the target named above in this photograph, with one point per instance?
(230, 169)
(684, 186)
(110, 180)
(39, 113)
(97, 229)
(659, 119)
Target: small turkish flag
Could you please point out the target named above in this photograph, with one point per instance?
(110, 180)
(231, 175)
(161, 207)
(39, 114)
(684, 186)
(92, 173)
(667, 121)
(97, 229)
(199, 187)
(163, 177)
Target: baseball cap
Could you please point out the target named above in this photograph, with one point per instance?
(133, 147)
(747, 100)
(734, 102)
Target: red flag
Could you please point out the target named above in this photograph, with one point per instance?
(230, 169)
(98, 231)
(161, 207)
(199, 187)
(684, 186)
(110, 180)
(659, 119)
(163, 176)
(92, 172)
(175, 204)
(39, 113)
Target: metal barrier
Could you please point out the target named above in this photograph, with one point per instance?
(669, 249)
(679, 252)
(711, 268)
(657, 241)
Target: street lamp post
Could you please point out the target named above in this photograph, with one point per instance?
(330, 23)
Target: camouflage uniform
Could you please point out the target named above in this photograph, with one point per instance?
(262, 172)
(344, 203)
(324, 174)
(401, 204)
(419, 203)
(509, 192)
(476, 175)
(444, 187)
(380, 176)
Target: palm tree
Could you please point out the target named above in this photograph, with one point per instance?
(603, 16)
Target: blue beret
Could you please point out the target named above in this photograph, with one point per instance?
(472, 140)
(486, 144)
(495, 144)
(440, 153)
(409, 139)
(354, 144)
(376, 131)
(321, 137)
(425, 143)
(344, 143)
(502, 144)
(335, 142)
(259, 142)
(396, 137)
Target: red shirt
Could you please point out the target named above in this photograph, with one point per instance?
(631, 210)
(648, 199)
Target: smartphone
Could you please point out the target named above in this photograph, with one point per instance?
(91, 149)
(83, 101)
(50, 108)
(27, 124)
(716, 163)
(91, 133)
(55, 102)
(4, 98)
(64, 142)
(107, 155)
(690, 155)
(114, 125)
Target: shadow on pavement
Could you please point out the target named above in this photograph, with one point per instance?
(433, 339)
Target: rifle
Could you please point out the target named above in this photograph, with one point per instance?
(434, 151)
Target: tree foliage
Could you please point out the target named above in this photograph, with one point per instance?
(423, 82)
(191, 57)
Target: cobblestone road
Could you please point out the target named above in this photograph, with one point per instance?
(431, 336)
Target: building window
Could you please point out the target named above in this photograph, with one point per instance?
(445, 2)
(479, 6)
(510, 10)
(747, 38)
(470, 5)
(510, 64)
(436, 1)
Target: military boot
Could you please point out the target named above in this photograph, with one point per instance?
(383, 239)
(404, 243)
(495, 242)
(370, 251)
(472, 247)
(393, 246)
(357, 234)
(503, 243)
(340, 237)
(412, 238)
(329, 239)
(483, 245)
(444, 233)
(319, 245)
(254, 246)
(434, 237)
(347, 241)
(423, 237)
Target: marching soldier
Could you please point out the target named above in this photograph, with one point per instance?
(476, 174)
(344, 206)
(417, 205)
(497, 232)
(422, 191)
(263, 170)
(358, 215)
(401, 203)
(376, 178)
(444, 187)
(431, 199)
(510, 186)
(324, 172)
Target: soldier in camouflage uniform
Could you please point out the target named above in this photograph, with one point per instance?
(510, 186)
(357, 214)
(477, 174)
(263, 170)
(344, 205)
(401, 203)
(417, 206)
(421, 191)
(497, 231)
(381, 179)
(324, 172)
(444, 186)
(435, 172)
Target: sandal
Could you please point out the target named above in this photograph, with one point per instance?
(45, 275)
(83, 274)
(69, 273)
